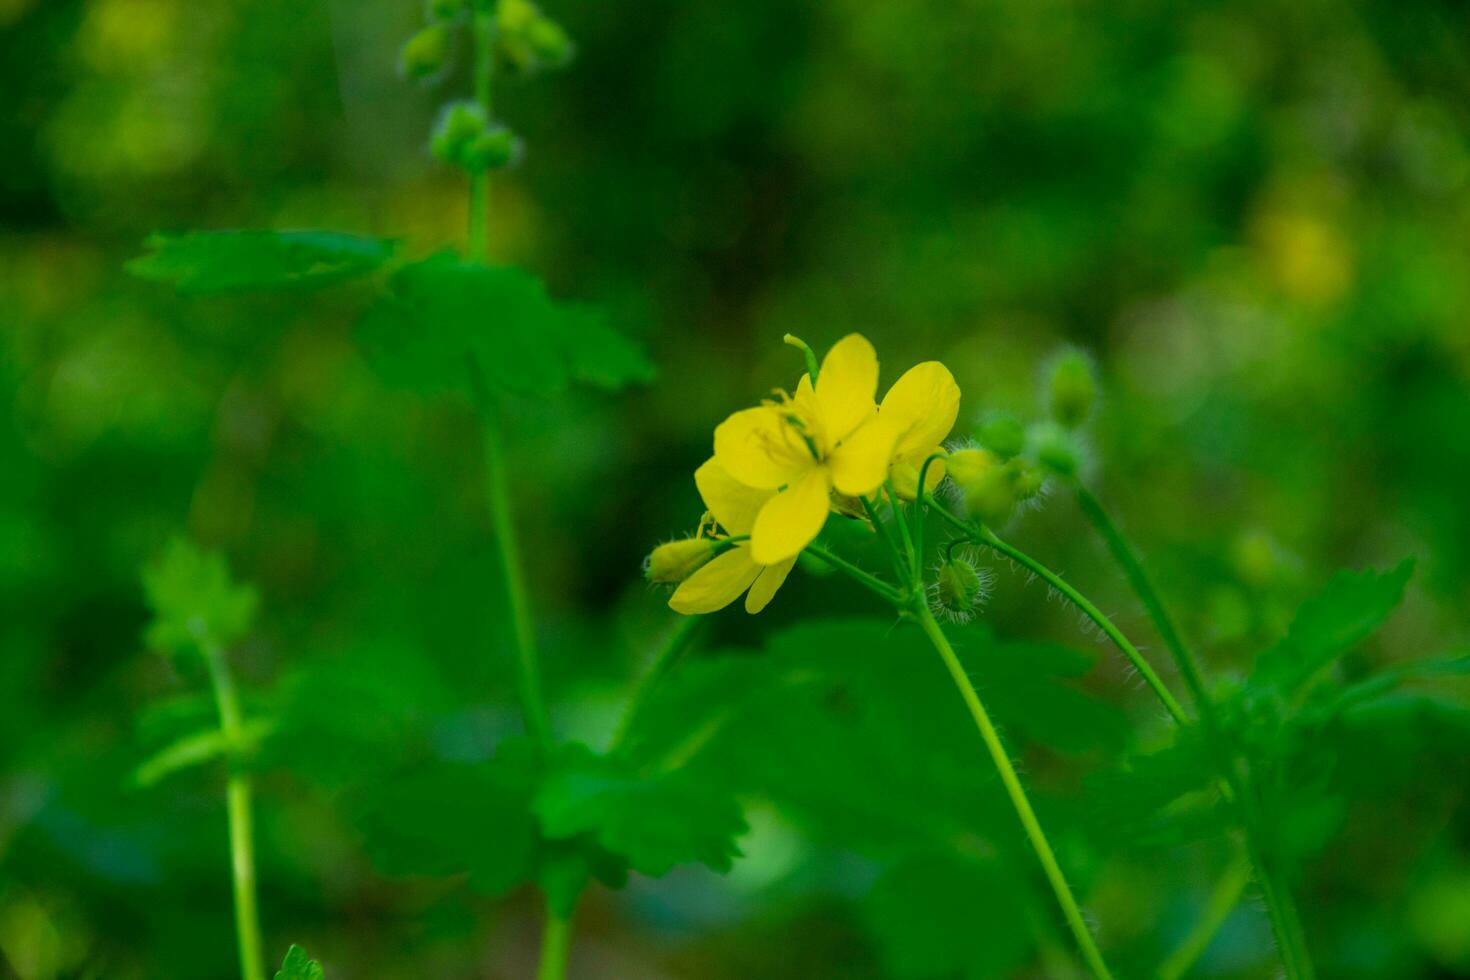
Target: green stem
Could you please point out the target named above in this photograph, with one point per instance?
(1222, 901)
(871, 582)
(669, 653)
(983, 535)
(1285, 921)
(497, 494)
(556, 945)
(886, 533)
(483, 27)
(1017, 794)
(916, 574)
(237, 805)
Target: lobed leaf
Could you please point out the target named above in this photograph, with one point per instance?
(297, 966)
(258, 260)
(444, 314)
(194, 600)
(1342, 615)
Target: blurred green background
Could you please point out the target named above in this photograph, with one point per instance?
(1255, 213)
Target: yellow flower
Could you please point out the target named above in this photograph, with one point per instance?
(722, 580)
(803, 447)
(919, 409)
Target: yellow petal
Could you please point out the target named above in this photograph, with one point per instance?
(860, 465)
(764, 589)
(733, 503)
(790, 520)
(905, 473)
(846, 386)
(717, 584)
(760, 449)
(921, 407)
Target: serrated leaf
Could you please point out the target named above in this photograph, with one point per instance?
(258, 260)
(654, 821)
(939, 915)
(459, 817)
(297, 966)
(444, 314)
(195, 749)
(194, 600)
(1342, 615)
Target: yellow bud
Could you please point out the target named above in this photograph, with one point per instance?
(672, 563)
(905, 477)
(966, 466)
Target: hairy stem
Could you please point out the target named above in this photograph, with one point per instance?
(1017, 794)
(871, 582)
(237, 804)
(1285, 921)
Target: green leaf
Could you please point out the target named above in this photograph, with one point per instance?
(250, 260)
(1342, 615)
(297, 966)
(195, 749)
(443, 314)
(450, 818)
(194, 600)
(654, 821)
(940, 915)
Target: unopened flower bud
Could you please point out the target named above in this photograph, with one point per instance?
(1027, 478)
(466, 138)
(965, 466)
(905, 477)
(426, 54)
(1072, 388)
(960, 587)
(1003, 434)
(549, 42)
(985, 484)
(1057, 449)
(493, 149)
(672, 563)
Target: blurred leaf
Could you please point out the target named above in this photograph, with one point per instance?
(944, 915)
(197, 748)
(238, 261)
(1163, 798)
(443, 313)
(297, 966)
(450, 818)
(194, 600)
(1346, 611)
(656, 821)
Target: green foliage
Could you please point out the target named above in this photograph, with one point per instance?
(938, 914)
(653, 821)
(251, 260)
(194, 600)
(197, 748)
(444, 313)
(559, 819)
(297, 966)
(1343, 614)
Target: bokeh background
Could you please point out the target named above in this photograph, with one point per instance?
(1255, 213)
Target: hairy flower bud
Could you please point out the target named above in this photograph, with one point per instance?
(426, 54)
(986, 484)
(1003, 434)
(960, 588)
(530, 40)
(493, 149)
(465, 138)
(672, 563)
(965, 466)
(1072, 388)
(1027, 478)
(1057, 449)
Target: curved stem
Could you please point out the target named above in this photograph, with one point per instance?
(988, 538)
(868, 581)
(556, 944)
(1222, 901)
(1017, 794)
(669, 653)
(497, 495)
(915, 572)
(238, 807)
(886, 533)
(1285, 921)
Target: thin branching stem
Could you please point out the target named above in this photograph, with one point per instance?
(869, 581)
(1044, 853)
(1222, 901)
(1237, 788)
(673, 647)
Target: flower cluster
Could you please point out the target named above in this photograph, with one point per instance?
(779, 469)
